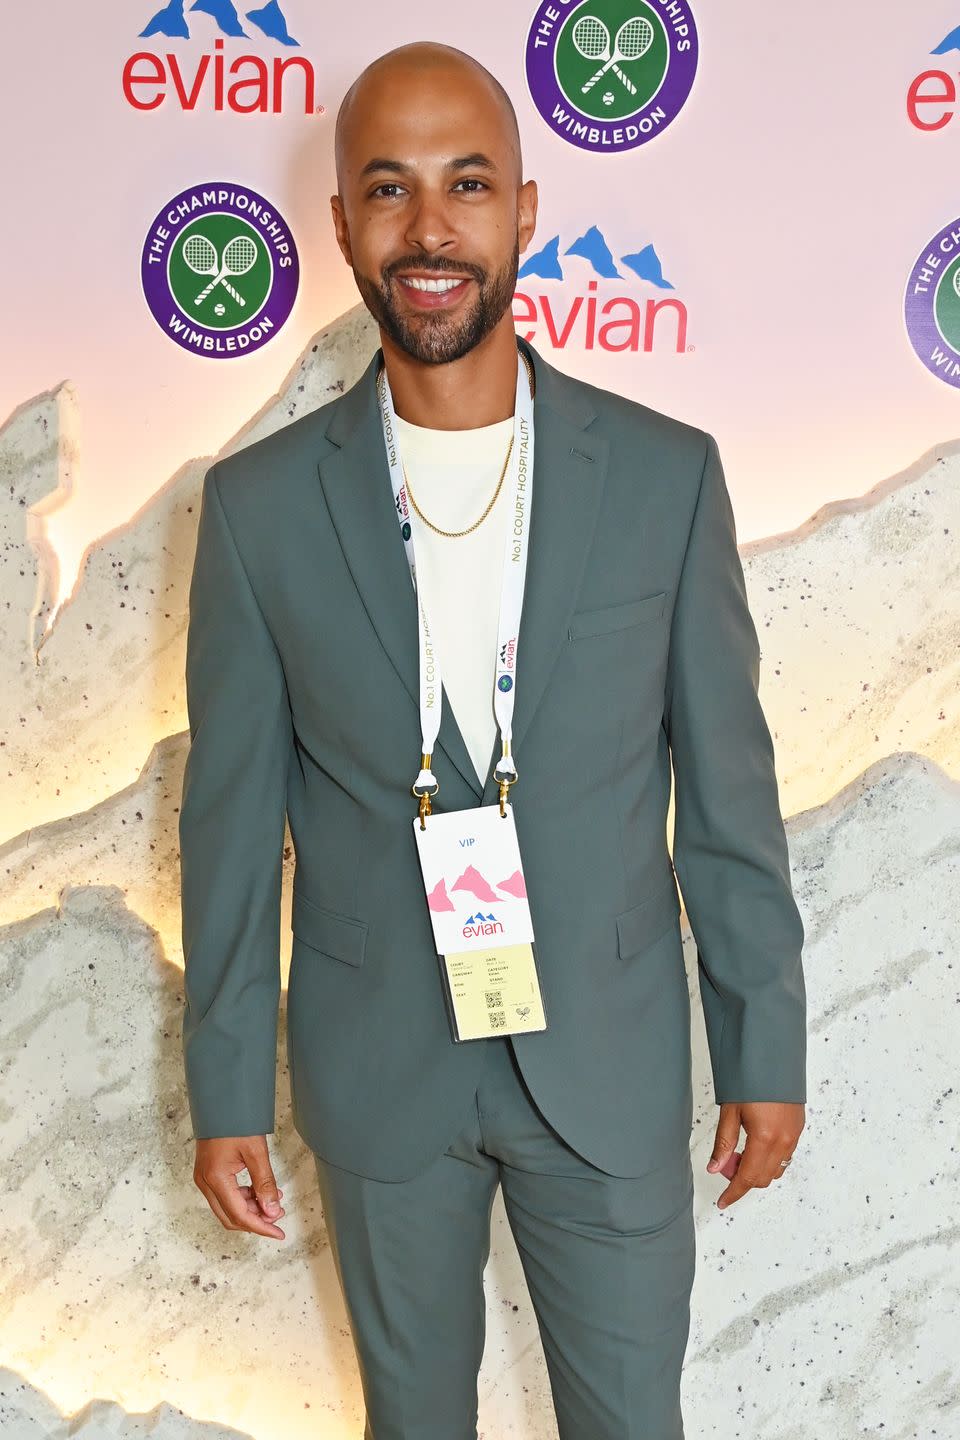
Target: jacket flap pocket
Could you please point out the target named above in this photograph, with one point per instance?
(616, 617)
(646, 922)
(342, 936)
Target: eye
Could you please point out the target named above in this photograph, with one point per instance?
(387, 185)
(472, 181)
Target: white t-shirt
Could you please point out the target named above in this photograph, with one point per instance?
(453, 474)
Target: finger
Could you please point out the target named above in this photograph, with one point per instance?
(772, 1147)
(781, 1170)
(257, 1159)
(726, 1138)
(731, 1164)
(215, 1205)
(244, 1216)
(756, 1169)
(749, 1173)
(250, 1200)
(737, 1188)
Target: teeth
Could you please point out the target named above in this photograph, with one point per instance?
(436, 285)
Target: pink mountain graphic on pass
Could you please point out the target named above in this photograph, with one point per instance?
(438, 899)
(472, 880)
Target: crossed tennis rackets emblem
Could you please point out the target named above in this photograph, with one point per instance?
(592, 38)
(239, 256)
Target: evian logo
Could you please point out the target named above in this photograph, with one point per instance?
(479, 924)
(600, 314)
(507, 663)
(932, 93)
(242, 80)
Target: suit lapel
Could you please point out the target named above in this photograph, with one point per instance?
(569, 470)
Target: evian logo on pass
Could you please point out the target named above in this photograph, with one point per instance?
(482, 925)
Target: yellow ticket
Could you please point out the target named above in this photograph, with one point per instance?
(493, 992)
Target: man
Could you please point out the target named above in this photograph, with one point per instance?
(308, 661)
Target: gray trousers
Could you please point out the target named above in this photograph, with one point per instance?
(609, 1264)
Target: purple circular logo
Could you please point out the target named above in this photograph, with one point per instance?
(220, 270)
(931, 305)
(609, 75)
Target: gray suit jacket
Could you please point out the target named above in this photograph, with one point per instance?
(636, 646)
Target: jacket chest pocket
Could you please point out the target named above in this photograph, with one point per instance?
(332, 933)
(608, 618)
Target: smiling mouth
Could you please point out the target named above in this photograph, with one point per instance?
(438, 285)
(434, 292)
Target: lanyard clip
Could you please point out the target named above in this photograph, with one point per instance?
(507, 778)
(420, 788)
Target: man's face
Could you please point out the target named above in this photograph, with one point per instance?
(429, 193)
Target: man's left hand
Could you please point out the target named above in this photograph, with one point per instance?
(773, 1128)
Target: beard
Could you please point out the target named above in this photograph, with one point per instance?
(436, 338)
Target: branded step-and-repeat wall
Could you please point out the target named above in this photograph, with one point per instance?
(746, 219)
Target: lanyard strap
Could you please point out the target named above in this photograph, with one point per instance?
(516, 539)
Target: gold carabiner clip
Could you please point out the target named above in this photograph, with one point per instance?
(424, 796)
(504, 783)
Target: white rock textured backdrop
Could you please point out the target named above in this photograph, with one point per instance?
(823, 1307)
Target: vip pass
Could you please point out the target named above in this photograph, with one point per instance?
(516, 539)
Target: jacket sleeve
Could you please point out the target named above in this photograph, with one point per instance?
(730, 846)
(231, 830)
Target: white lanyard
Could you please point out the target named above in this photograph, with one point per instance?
(516, 538)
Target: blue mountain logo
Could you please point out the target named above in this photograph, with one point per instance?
(949, 42)
(172, 22)
(592, 247)
(478, 919)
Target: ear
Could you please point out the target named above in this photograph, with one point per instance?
(340, 228)
(527, 197)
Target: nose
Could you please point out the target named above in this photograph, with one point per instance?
(429, 226)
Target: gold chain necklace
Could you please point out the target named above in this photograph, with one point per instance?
(455, 534)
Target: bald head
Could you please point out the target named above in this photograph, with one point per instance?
(432, 211)
(426, 72)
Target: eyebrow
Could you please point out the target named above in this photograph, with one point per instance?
(476, 161)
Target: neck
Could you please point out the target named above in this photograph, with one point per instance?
(478, 389)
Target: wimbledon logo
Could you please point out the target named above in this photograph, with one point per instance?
(219, 270)
(932, 305)
(611, 74)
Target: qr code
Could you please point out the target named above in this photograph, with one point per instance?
(498, 1019)
(494, 998)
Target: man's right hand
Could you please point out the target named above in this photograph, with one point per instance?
(250, 1207)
